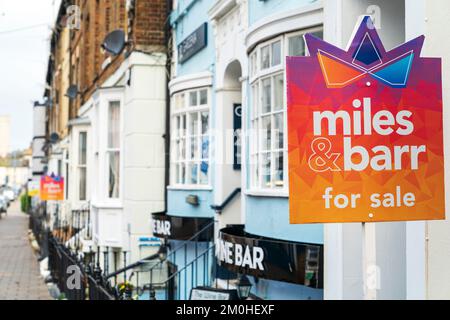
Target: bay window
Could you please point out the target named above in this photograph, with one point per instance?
(268, 143)
(113, 150)
(190, 138)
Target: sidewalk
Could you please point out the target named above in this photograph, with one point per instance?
(19, 269)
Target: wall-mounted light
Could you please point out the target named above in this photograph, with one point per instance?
(192, 200)
(244, 287)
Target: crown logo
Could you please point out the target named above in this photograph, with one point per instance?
(365, 56)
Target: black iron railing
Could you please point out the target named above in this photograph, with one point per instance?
(164, 278)
(219, 208)
(75, 278)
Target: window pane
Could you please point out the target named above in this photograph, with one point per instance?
(82, 148)
(279, 130)
(178, 174)
(114, 174)
(253, 66)
(205, 147)
(204, 168)
(279, 92)
(255, 99)
(182, 149)
(254, 166)
(266, 96)
(181, 104)
(193, 172)
(276, 53)
(82, 179)
(193, 99)
(266, 141)
(176, 150)
(114, 125)
(203, 97)
(194, 148)
(205, 122)
(296, 46)
(181, 174)
(177, 133)
(318, 34)
(265, 167)
(278, 181)
(193, 124)
(265, 57)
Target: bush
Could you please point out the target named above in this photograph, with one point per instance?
(25, 203)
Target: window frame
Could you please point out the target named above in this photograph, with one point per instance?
(108, 150)
(185, 111)
(255, 150)
(81, 166)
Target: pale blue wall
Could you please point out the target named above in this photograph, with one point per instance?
(184, 23)
(269, 216)
(261, 9)
(177, 205)
(190, 15)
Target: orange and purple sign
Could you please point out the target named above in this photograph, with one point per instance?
(52, 188)
(365, 132)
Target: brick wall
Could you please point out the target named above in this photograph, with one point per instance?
(148, 25)
(144, 25)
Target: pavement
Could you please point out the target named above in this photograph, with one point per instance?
(19, 269)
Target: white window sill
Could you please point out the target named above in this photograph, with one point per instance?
(267, 193)
(106, 205)
(190, 187)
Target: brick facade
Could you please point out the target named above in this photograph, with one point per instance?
(143, 21)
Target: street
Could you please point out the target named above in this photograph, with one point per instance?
(19, 269)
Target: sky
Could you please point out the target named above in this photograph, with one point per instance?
(25, 28)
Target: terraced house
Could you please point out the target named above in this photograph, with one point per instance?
(106, 108)
(168, 121)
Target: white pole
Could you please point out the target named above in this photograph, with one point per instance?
(370, 270)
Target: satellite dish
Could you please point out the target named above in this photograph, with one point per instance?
(72, 92)
(114, 42)
(54, 137)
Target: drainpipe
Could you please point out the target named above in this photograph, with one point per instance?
(167, 36)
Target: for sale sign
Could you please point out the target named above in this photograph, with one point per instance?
(365, 132)
(52, 188)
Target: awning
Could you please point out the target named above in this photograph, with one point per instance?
(272, 259)
(182, 228)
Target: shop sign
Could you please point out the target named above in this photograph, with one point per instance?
(243, 256)
(365, 131)
(52, 188)
(205, 294)
(180, 228)
(195, 42)
(237, 136)
(243, 253)
(33, 188)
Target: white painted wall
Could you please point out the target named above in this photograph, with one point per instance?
(143, 175)
(230, 25)
(438, 232)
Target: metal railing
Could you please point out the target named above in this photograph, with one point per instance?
(77, 279)
(163, 276)
(65, 269)
(178, 284)
(221, 207)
